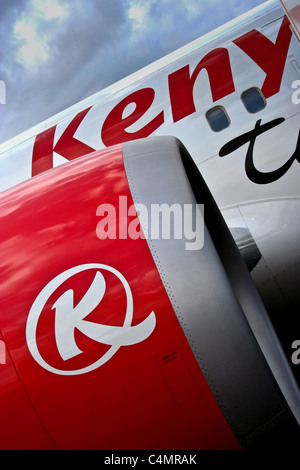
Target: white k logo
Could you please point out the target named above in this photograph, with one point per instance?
(68, 317)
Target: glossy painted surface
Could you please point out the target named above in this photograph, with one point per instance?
(49, 227)
(150, 394)
(21, 427)
(171, 97)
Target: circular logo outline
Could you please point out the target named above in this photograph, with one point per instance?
(40, 302)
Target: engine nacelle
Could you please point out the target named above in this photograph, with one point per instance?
(122, 333)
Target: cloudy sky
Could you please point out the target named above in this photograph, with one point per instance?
(54, 53)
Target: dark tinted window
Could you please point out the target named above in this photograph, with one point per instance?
(253, 100)
(217, 118)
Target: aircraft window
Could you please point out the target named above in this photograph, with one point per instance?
(253, 100)
(217, 118)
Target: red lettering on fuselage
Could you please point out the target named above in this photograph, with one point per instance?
(114, 127)
(268, 56)
(181, 84)
(67, 146)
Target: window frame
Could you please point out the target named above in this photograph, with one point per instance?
(225, 113)
(261, 95)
